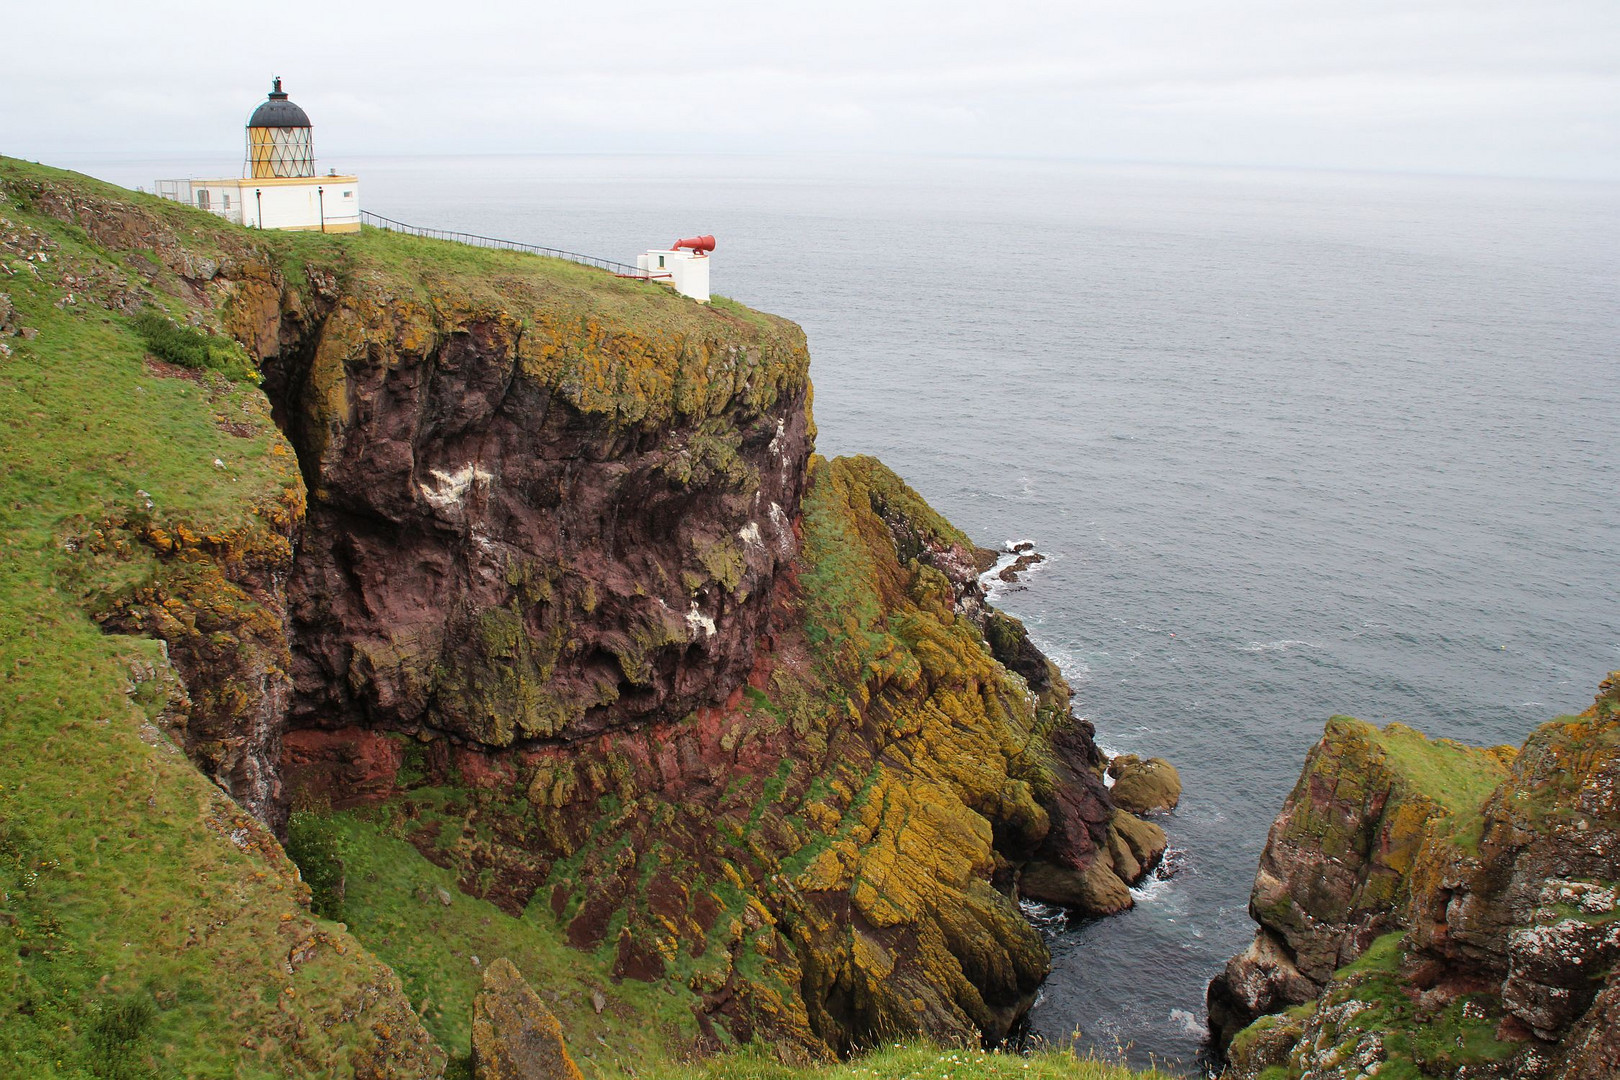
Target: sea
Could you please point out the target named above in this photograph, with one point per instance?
(1293, 443)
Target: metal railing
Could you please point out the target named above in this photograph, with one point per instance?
(183, 191)
(624, 270)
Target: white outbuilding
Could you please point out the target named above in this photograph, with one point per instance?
(684, 265)
(279, 188)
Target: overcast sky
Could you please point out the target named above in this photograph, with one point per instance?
(1523, 87)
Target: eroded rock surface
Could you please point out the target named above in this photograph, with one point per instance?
(1148, 786)
(1498, 906)
(514, 1035)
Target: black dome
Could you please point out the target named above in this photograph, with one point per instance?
(278, 112)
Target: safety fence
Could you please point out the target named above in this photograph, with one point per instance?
(624, 270)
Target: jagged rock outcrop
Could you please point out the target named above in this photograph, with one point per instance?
(1332, 876)
(1499, 910)
(514, 1035)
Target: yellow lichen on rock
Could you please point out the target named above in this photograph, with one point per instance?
(514, 1035)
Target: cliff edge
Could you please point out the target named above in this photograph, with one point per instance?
(1434, 910)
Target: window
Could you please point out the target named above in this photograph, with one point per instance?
(348, 194)
(202, 199)
(227, 197)
(660, 258)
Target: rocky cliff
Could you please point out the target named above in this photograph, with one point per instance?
(536, 579)
(1437, 910)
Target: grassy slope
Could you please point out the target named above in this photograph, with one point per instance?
(1456, 776)
(144, 919)
(144, 922)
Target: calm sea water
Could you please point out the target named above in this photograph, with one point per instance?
(1296, 444)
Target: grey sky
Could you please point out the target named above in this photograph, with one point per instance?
(1529, 87)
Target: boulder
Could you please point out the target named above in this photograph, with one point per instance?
(1144, 787)
(1144, 841)
(1093, 890)
(514, 1035)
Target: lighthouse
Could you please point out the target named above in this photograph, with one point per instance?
(279, 187)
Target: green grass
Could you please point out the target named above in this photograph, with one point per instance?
(190, 348)
(912, 1061)
(476, 271)
(1419, 1042)
(1460, 778)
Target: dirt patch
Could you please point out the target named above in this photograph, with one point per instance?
(162, 369)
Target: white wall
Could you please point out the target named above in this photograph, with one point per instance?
(688, 273)
(298, 206)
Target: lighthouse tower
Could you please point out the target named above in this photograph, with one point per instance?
(278, 139)
(279, 187)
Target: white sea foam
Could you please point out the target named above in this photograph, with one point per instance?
(1278, 646)
(1188, 1022)
(992, 584)
(1074, 670)
(1151, 889)
(1047, 918)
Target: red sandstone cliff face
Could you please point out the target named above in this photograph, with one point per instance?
(558, 548)
(485, 557)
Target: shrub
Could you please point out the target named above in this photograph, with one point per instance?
(312, 843)
(189, 348)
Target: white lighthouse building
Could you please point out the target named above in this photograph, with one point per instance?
(279, 188)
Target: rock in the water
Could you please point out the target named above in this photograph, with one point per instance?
(1094, 890)
(1144, 787)
(514, 1035)
(1144, 840)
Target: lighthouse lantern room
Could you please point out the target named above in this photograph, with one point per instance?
(279, 188)
(278, 139)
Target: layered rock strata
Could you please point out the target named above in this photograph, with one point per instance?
(1455, 912)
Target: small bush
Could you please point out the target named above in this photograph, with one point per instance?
(312, 843)
(118, 1039)
(189, 348)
